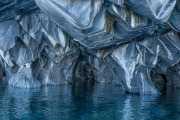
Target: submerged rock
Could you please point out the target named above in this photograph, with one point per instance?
(129, 43)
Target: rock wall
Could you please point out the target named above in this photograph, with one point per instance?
(129, 43)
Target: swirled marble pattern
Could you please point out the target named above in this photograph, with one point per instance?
(133, 44)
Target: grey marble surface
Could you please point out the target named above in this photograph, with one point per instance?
(135, 45)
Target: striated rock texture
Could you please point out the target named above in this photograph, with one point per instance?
(130, 43)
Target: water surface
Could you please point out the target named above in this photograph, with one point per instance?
(96, 102)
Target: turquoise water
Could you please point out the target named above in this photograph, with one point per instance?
(86, 103)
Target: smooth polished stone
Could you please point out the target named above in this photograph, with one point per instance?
(157, 10)
(12, 9)
(129, 43)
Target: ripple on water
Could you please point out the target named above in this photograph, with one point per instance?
(86, 103)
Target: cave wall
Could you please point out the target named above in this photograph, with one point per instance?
(133, 44)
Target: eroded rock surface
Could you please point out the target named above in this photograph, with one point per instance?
(99, 41)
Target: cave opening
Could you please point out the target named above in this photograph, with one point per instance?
(83, 74)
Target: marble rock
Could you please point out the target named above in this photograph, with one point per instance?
(34, 54)
(129, 43)
(174, 20)
(13, 9)
(157, 10)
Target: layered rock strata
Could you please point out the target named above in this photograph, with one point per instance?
(122, 42)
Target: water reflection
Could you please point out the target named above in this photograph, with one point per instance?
(86, 103)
